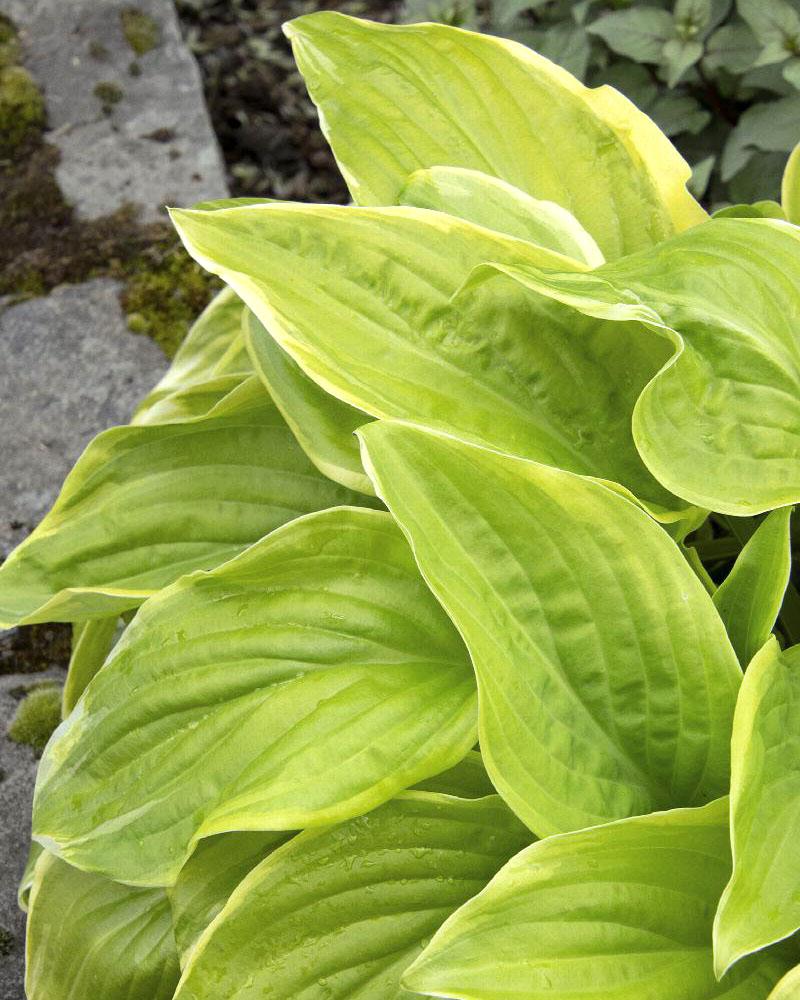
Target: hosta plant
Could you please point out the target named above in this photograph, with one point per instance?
(434, 622)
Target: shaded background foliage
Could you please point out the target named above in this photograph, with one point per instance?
(720, 77)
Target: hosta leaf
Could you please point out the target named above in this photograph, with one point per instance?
(750, 597)
(789, 987)
(90, 937)
(213, 347)
(338, 914)
(790, 187)
(363, 300)
(219, 863)
(144, 505)
(620, 911)
(91, 644)
(488, 201)
(467, 779)
(606, 681)
(761, 903)
(208, 878)
(323, 425)
(302, 683)
(395, 99)
(718, 424)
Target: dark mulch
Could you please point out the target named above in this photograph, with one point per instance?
(265, 123)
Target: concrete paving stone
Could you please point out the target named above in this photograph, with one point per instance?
(155, 146)
(70, 369)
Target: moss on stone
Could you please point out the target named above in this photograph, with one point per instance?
(165, 291)
(21, 107)
(98, 51)
(37, 716)
(141, 31)
(108, 94)
(9, 43)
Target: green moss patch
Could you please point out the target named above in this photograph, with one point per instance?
(37, 716)
(165, 291)
(21, 107)
(141, 31)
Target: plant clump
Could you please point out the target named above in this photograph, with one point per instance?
(21, 104)
(36, 717)
(457, 661)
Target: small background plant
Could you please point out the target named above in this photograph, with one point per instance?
(720, 78)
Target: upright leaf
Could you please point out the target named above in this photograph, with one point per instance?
(606, 681)
(620, 911)
(304, 682)
(323, 425)
(761, 903)
(394, 99)
(790, 187)
(338, 914)
(487, 201)
(366, 301)
(750, 598)
(145, 505)
(90, 937)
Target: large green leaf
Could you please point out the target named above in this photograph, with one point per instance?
(363, 300)
(394, 99)
(761, 903)
(94, 939)
(304, 682)
(488, 201)
(208, 878)
(750, 597)
(144, 505)
(619, 912)
(718, 424)
(338, 914)
(606, 680)
(323, 425)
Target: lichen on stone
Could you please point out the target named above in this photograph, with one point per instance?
(37, 716)
(141, 31)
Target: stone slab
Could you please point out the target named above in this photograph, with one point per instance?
(18, 765)
(70, 369)
(155, 146)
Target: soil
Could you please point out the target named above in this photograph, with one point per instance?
(264, 120)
